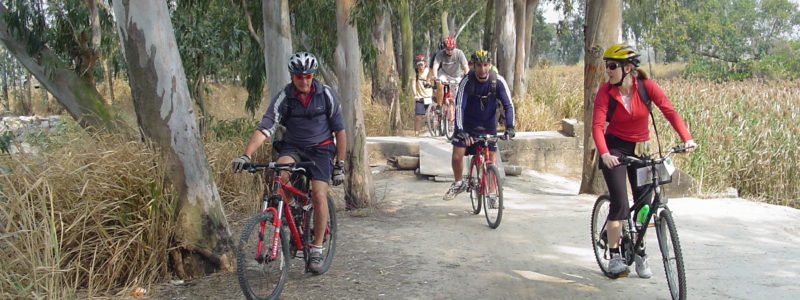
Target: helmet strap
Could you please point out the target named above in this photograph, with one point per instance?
(621, 80)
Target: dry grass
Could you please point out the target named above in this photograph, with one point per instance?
(90, 213)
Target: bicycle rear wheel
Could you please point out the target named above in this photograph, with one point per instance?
(259, 277)
(329, 243)
(493, 200)
(474, 188)
(599, 235)
(671, 253)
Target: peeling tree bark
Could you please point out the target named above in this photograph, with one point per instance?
(358, 184)
(164, 112)
(384, 79)
(506, 39)
(278, 43)
(603, 28)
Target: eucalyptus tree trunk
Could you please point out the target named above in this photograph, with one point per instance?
(277, 43)
(78, 96)
(445, 25)
(488, 28)
(384, 80)
(110, 78)
(164, 112)
(407, 96)
(506, 39)
(603, 28)
(358, 183)
(530, 19)
(27, 107)
(520, 18)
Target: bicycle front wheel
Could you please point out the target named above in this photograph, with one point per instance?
(450, 121)
(493, 200)
(329, 243)
(259, 276)
(474, 187)
(671, 253)
(432, 120)
(599, 235)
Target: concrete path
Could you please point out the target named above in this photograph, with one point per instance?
(416, 246)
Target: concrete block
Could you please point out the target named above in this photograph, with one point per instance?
(434, 158)
(682, 185)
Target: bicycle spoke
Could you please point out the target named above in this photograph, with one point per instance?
(260, 276)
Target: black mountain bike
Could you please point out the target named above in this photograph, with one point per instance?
(633, 235)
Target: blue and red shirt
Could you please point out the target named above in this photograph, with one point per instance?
(308, 123)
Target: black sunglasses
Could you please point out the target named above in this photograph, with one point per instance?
(612, 65)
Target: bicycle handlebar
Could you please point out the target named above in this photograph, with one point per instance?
(295, 166)
(488, 137)
(638, 162)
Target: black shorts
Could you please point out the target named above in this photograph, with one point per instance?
(472, 148)
(322, 156)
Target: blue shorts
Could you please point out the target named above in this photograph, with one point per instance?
(420, 108)
(322, 156)
(471, 149)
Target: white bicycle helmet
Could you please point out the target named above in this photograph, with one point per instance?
(302, 63)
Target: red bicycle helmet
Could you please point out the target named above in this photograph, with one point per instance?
(449, 42)
(419, 58)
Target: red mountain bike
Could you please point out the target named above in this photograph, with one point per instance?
(283, 230)
(441, 120)
(483, 184)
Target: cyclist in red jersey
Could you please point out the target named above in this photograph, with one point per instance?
(625, 135)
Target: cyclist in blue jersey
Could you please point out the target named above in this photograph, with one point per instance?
(479, 94)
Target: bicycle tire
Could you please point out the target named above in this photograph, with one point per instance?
(450, 121)
(493, 212)
(432, 120)
(249, 271)
(329, 242)
(671, 254)
(473, 187)
(600, 213)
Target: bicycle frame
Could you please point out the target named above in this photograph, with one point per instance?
(655, 188)
(280, 211)
(483, 159)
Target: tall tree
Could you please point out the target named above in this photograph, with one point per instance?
(358, 185)
(603, 28)
(506, 39)
(385, 83)
(521, 23)
(23, 29)
(406, 32)
(164, 112)
(277, 42)
(488, 27)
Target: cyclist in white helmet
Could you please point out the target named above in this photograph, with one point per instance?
(312, 116)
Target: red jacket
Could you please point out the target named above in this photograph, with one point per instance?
(631, 126)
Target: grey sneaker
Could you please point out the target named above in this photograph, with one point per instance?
(454, 190)
(642, 266)
(617, 266)
(315, 259)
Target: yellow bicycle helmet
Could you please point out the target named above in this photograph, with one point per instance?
(621, 52)
(482, 56)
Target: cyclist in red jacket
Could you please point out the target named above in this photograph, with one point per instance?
(625, 135)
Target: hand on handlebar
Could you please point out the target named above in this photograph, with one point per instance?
(690, 146)
(464, 137)
(610, 161)
(238, 163)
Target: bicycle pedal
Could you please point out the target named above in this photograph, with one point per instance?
(622, 275)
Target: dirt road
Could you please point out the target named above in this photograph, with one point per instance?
(416, 246)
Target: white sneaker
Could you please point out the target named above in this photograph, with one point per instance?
(642, 266)
(617, 265)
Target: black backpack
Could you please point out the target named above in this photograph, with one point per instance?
(289, 113)
(612, 103)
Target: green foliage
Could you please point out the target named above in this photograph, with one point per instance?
(5, 141)
(716, 70)
(236, 129)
